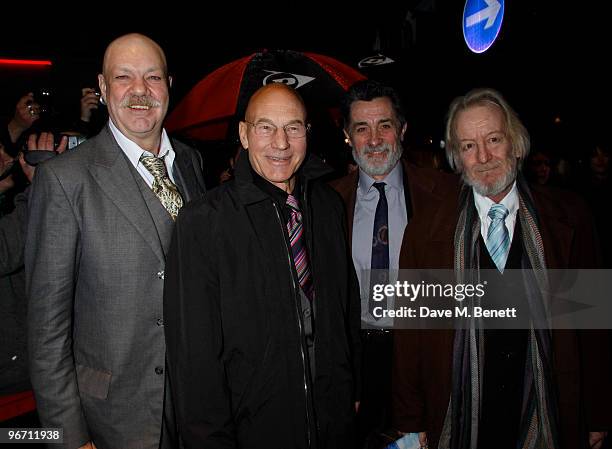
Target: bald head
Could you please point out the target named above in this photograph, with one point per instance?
(277, 150)
(132, 44)
(277, 93)
(134, 84)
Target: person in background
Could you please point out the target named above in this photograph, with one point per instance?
(93, 113)
(539, 167)
(596, 188)
(13, 134)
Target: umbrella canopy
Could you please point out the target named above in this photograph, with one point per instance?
(218, 100)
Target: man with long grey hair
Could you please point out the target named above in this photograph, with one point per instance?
(517, 388)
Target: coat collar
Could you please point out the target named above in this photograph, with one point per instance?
(184, 172)
(312, 168)
(416, 183)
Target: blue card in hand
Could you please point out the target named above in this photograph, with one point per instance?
(408, 441)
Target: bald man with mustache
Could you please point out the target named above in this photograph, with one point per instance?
(101, 217)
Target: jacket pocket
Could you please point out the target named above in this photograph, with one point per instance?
(93, 382)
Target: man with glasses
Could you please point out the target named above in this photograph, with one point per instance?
(386, 200)
(261, 297)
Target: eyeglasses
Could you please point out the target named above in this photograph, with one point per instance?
(292, 130)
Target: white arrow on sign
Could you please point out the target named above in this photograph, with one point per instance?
(489, 14)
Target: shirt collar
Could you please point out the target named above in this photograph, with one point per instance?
(483, 203)
(133, 151)
(394, 179)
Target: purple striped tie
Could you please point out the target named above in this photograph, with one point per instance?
(298, 248)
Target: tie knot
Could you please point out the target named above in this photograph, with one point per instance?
(155, 165)
(380, 186)
(292, 202)
(498, 212)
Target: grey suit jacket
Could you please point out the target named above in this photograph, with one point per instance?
(95, 259)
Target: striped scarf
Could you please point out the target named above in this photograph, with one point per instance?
(538, 422)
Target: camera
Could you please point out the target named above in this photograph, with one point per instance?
(42, 103)
(73, 141)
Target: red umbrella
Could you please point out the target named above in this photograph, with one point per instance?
(209, 109)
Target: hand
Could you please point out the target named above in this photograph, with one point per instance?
(225, 176)
(88, 445)
(596, 439)
(423, 439)
(44, 142)
(89, 102)
(26, 113)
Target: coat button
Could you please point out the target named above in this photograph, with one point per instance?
(159, 370)
(160, 274)
(160, 322)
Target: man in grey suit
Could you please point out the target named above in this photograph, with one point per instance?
(101, 217)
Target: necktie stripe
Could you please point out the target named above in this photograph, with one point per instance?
(295, 230)
(380, 246)
(498, 238)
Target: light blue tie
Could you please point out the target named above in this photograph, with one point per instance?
(498, 238)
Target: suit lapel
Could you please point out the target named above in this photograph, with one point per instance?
(163, 222)
(347, 188)
(423, 191)
(111, 171)
(183, 172)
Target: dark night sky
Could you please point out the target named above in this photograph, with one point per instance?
(547, 59)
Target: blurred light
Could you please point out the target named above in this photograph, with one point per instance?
(557, 120)
(24, 62)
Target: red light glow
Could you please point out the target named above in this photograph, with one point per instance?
(24, 62)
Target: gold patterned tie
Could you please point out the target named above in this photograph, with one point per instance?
(163, 187)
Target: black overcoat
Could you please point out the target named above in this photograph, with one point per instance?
(235, 342)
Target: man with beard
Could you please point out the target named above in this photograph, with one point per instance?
(386, 200)
(500, 388)
(101, 218)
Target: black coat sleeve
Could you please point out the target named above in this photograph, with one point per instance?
(354, 310)
(12, 236)
(193, 331)
(354, 328)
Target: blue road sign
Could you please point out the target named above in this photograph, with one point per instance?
(482, 20)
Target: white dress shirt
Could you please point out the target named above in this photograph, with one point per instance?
(363, 225)
(483, 204)
(133, 153)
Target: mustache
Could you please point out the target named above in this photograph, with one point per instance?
(487, 166)
(367, 149)
(140, 100)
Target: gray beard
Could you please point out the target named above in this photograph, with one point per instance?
(494, 188)
(394, 155)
